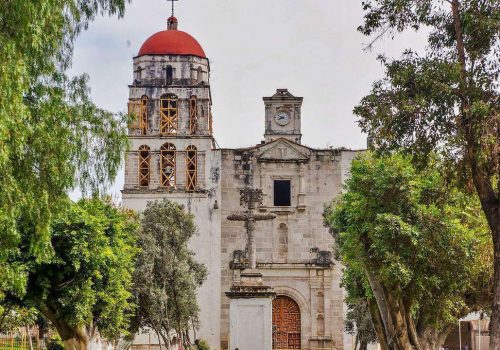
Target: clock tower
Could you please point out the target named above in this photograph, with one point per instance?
(283, 113)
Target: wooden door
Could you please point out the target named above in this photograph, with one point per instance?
(286, 323)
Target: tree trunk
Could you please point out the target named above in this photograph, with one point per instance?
(490, 200)
(495, 315)
(28, 332)
(74, 338)
(378, 325)
(383, 309)
(399, 322)
(432, 339)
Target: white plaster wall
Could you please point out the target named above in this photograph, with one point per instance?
(251, 324)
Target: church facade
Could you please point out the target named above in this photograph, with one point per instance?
(174, 155)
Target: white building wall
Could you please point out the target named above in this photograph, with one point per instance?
(206, 245)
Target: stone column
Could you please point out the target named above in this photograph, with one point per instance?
(263, 187)
(250, 314)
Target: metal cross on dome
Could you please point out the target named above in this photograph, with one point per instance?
(172, 6)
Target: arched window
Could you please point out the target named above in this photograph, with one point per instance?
(168, 114)
(199, 75)
(193, 115)
(286, 323)
(169, 75)
(143, 121)
(144, 165)
(191, 168)
(167, 161)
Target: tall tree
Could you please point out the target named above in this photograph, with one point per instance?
(167, 275)
(416, 249)
(358, 322)
(52, 137)
(446, 100)
(87, 284)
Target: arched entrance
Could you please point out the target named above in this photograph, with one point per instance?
(286, 323)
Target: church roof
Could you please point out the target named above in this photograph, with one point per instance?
(172, 42)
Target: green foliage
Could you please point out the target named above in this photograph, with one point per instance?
(88, 281)
(358, 322)
(52, 137)
(422, 239)
(13, 317)
(55, 343)
(167, 274)
(443, 101)
(201, 345)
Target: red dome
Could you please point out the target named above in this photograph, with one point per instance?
(171, 42)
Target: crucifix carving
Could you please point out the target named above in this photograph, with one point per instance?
(249, 197)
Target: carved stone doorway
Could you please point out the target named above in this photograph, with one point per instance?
(286, 323)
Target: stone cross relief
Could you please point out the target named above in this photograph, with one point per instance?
(249, 197)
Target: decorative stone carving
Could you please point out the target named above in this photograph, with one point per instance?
(324, 258)
(239, 262)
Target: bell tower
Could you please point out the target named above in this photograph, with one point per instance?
(283, 116)
(171, 106)
(172, 150)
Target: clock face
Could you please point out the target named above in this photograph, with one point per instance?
(282, 118)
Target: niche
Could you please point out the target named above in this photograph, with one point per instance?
(282, 241)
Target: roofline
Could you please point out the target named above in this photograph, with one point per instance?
(338, 149)
(170, 54)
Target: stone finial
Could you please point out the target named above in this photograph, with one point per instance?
(172, 23)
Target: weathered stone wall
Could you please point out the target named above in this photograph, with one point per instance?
(286, 246)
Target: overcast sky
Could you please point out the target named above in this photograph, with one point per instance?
(311, 47)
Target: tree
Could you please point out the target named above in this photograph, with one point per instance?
(13, 317)
(358, 323)
(446, 100)
(52, 137)
(416, 249)
(87, 284)
(167, 274)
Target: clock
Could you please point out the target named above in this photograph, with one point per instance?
(282, 118)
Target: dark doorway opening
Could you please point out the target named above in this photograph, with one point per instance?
(282, 193)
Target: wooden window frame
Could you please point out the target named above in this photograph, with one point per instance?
(193, 115)
(169, 115)
(143, 121)
(144, 166)
(168, 159)
(191, 168)
(139, 109)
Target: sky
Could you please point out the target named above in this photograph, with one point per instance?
(310, 47)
